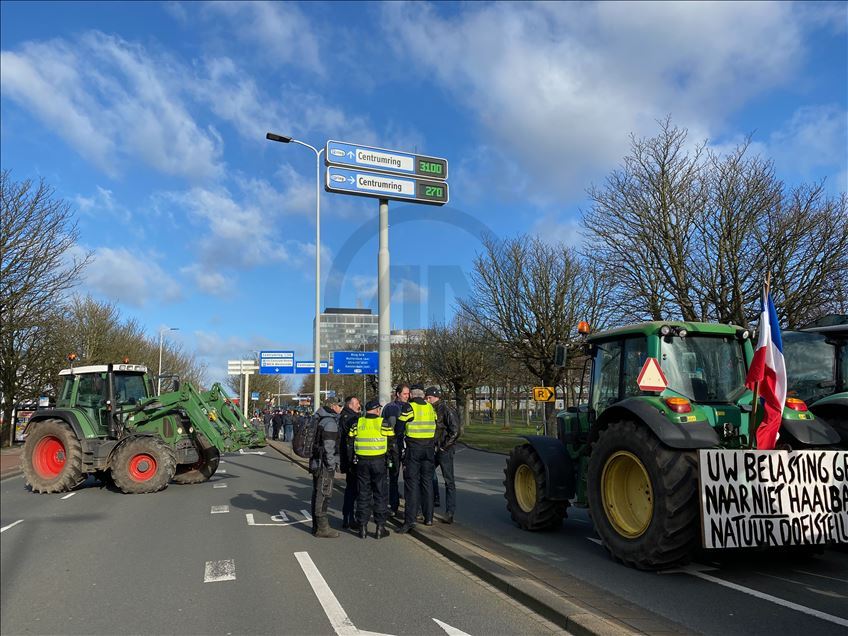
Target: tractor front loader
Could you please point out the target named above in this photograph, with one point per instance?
(107, 422)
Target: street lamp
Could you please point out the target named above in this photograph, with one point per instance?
(161, 336)
(317, 349)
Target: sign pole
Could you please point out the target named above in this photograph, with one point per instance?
(384, 297)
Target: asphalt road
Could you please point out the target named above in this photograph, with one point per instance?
(729, 593)
(232, 556)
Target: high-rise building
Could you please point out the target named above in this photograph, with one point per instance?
(347, 329)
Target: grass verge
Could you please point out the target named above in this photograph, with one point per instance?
(494, 437)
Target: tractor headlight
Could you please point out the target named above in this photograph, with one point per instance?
(682, 332)
(745, 334)
(180, 430)
(665, 330)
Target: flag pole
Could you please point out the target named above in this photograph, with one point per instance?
(756, 400)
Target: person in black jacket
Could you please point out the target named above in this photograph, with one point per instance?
(276, 424)
(391, 413)
(447, 433)
(348, 418)
(323, 466)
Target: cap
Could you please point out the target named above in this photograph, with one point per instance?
(372, 404)
(332, 401)
(416, 387)
(432, 390)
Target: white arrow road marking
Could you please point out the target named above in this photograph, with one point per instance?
(68, 496)
(219, 571)
(449, 630)
(244, 452)
(217, 510)
(11, 525)
(342, 625)
(252, 522)
(698, 572)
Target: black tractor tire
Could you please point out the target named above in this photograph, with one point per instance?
(143, 464)
(200, 471)
(667, 532)
(524, 487)
(52, 457)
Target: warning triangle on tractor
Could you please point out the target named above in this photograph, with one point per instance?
(651, 377)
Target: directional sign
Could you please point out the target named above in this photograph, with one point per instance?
(385, 186)
(651, 377)
(308, 366)
(254, 395)
(240, 367)
(355, 362)
(544, 394)
(340, 153)
(276, 362)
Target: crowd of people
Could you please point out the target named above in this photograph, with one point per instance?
(370, 444)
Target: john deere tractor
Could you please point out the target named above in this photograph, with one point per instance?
(631, 453)
(817, 367)
(108, 422)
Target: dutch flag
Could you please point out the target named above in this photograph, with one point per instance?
(769, 371)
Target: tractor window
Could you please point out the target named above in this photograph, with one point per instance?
(92, 390)
(704, 368)
(607, 374)
(810, 365)
(130, 389)
(635, 354)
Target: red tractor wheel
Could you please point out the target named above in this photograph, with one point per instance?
(52, 457)
(143, 464)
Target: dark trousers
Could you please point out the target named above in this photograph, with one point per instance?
(418, 481)
(350, 494)
(394, 490)
(372, 481)
(322, 491)
(444, 460)
(275, 431)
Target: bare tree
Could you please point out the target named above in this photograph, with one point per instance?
(527, 296)
(37, 268)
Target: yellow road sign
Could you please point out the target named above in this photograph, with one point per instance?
(544, 394)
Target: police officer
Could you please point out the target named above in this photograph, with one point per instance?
(372, 437)
(418, 468)
(323, 466)
(447, 433)
(391, 413)
(347, 420)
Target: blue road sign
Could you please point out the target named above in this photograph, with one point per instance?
(276, 362)
(340, 153)
(254, 395)
(308, 366)
(385, 186)
(355, 362)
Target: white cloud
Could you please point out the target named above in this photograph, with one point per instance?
(133, 278)
(210, 282)
(103, 203)
(113, 101)
(815, 137)
(408, 291)
(557, 88)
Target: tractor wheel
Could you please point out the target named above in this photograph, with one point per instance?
(200, 471)
(143, 464)
(643, 497)
(52, 457)
(525, 483)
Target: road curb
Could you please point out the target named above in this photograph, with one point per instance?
(551, 601)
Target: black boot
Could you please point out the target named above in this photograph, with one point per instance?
(382, 532)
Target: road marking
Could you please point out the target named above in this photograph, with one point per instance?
(306, 514)
(280, 517)
(11, 525)
(219, 571)
(449, 630)
(252, 522)
(832, 578)
(219, 485)
(767, 597)
(594, 540)
(244, 452)
(217, 510)
(68, 496)
(219, 472)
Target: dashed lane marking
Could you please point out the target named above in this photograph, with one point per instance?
(11, 525)
(823, 576)
(219, 472)
(217, 510)
(219, 571)
(68, 496)
(219, 485)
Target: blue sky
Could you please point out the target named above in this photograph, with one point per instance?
(150, 118)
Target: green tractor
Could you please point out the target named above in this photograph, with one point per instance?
(631, 453)
(108, 422)
(817, 367)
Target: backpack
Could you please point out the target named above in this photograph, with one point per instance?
(306, 437)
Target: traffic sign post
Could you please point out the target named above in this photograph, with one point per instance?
(544, 394)
(276, 362)
(341, 153)
(245, 368)
(355, 362)
(386, 186)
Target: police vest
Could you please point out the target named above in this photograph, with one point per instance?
(370, 437)
(423, 425)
